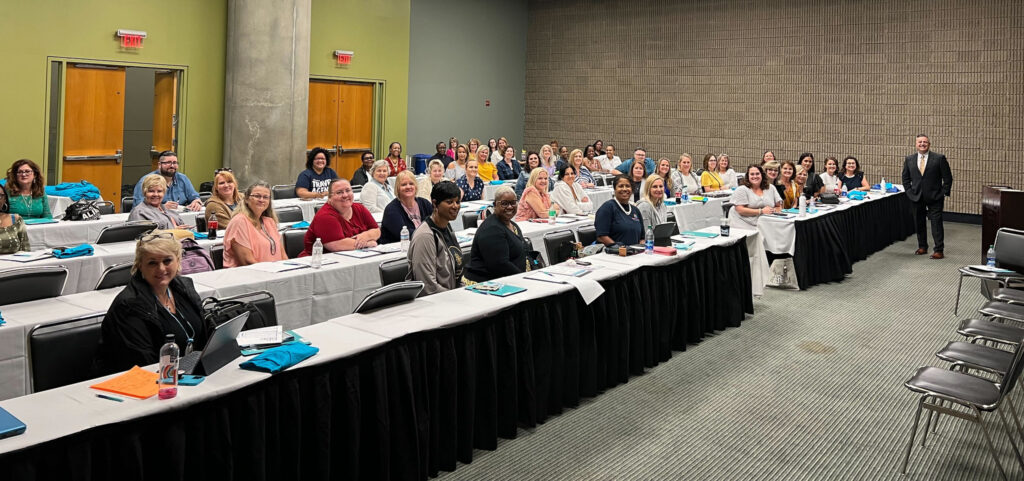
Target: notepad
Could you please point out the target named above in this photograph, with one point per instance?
(275, 267)
(137, 383)
(704, 235)
(38, 221)
(387, 248)
(500, 290)
(27, 256)
(358, 253)
(10, 425)
(262, 337)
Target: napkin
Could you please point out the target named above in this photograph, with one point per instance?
(300, 225)
(77, 251)
(280, 358)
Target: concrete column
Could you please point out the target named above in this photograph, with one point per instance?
(266, 89)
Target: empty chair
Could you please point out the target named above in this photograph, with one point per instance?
(283, 191)
(105, 207)
(395, 270)
(127, 203)
(587, 235)
(115, 276)
(124, 232)
(204, 196)
(553, 242)
(23, 284)
(1009, 246)
(289, 213)
(62, 353)
(217, 255)
(357, 189)
(389, 295)
(470, 219)
(294, 242)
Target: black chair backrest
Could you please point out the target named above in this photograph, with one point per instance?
(390, 295)
(671, 217)
(1013, 373)
(587, 235)
(115, 276)
(289, 213)
(62, 353)
(23, 284)
(204, 196)
(105, 207)
(393, 271)
(124, 232)
(217, 255)
(470, 219)
(294, 242)
(1010, 249)
(206, 186)
(552, 240)
(725, 208)
(284, 191)
(127, 203)
(316, 208)
(357, 189)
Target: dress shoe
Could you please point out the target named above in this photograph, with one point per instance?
(937, 255)
(920, 252)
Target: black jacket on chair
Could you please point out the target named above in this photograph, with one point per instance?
(936, 182)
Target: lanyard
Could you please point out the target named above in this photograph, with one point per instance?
(190, 336)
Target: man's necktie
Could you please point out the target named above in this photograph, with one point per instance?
(921, 163)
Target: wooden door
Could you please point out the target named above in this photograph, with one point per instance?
(165, 104)
(322, 119)
(355, 125)
(94, 128)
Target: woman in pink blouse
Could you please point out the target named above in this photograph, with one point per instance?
(536, 200)
(252, 235)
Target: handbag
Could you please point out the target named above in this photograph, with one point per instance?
(217, 312)
(569, 249)
(782, 274)
(82, 210)
(829, 198)
(534, 261)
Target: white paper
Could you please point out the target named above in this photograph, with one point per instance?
(275, 267)
(541, 276)
(387, 248)
(263, 335)
(358, 254)
(27, 256)
(308, 261)
(589, 289)
(566, 270)
(978, 267)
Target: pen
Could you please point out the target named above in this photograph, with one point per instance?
(109, 398)
(547, 273)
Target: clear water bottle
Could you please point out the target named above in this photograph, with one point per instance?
(811, 207)
(803, 206)
(168, 380)
(845, 191)
(318, 254)
(649, 241)
(882, 186)
(686, 195)
(551, 215)
(404, 237)
(990, 258)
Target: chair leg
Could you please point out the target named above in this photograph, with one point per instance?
(927, 424)
(1013, 412)
(988, 440)
(959, 285)
(1009, 434)
(913, 431)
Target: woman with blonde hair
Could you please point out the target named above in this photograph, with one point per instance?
(548, 159)
(252, 235)
(683, 176)
(407, 209)
(225, 197)
(652, 202)
(726, 172)
(536, 201)
(435, 174)
(154, 186)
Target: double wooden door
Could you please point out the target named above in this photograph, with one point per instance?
(341, 121)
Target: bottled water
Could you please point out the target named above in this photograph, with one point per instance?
(990, 258)
(551, 215)
(318, 254)
(686, 195)
(404, 237)
(168, 380)
(882, 185)
(649, 241)
(803, 206)
(845, 191)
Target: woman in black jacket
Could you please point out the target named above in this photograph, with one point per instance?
(156, 301)
(499, 248)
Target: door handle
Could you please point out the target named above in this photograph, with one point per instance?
(118, 154)
(366, 149)
(333, 150)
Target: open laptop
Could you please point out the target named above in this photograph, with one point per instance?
(10, 425)
(220, 349)
(663, 234)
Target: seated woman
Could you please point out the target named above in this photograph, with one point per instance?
(499, 248)
(569, 194)
(252, 235)
(853, 177)
(458, 168)
(617, 221)
(583, 175)
(800, 186)
(407, 209)
(532, 162)
(637, 174)
(753, 198)
(13, 236)
(536, 201)
(376, 193)
(312, 182)
(663, 169)
(341, 224)
(471, 185)
(711, 180)
(787, 172)
(435, 257)
(435, 174)
(156, 301)
(225, 197)
(812, 187)
(683, 177)
(725, 172)
(771, 172)
(548, 159)
(152, 209)
(508, 166)
(830, 179)
(485, 169)
(26, 195)
(589, 165)
(652, 204)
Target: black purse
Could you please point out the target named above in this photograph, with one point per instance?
(829, 198)
(82, 210)
(217, 312)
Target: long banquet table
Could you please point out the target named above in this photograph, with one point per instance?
(400, 393)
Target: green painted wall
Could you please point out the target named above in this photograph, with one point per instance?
(378, 32)
(180, 32)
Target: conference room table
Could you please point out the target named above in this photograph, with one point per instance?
(398, 393)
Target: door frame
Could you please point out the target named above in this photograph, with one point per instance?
(377, 135)
(180, 131)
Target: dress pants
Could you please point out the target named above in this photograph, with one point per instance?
(933, 211)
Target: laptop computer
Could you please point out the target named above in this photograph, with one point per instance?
(663, 234)
(10, 425)
(220, 349)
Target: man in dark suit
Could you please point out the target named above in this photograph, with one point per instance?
(927, 181)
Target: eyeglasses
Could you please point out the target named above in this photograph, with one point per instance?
(152, 237)
(169, 162)
(222, 169)
(771, 170)
(505, 203)
(259, 197)
(26, 172)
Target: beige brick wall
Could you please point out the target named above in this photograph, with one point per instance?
(829, 77)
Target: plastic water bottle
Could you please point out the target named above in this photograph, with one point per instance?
(404, 237)
(318, 254)
(845, 191)
(803, 206)
(551, 215)
(882, 185)
(990, 258)
(168, 380)
(649, 241)
(686, 195)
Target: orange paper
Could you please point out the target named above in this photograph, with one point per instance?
(137, 383)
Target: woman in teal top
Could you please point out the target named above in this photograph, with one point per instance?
(25, 193)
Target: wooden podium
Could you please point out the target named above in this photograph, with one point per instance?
(1001, 206)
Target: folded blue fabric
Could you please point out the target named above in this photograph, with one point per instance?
(280, 358)
(497, 182)
(856, 195)
(75, 190)
(77, 251)
(791, 211)
(2, 321)
(300, 225)
(670, 203)
(200, 235)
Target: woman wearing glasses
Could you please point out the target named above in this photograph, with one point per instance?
(156, 301)
(152, 209)
(341, 224)
(499, 248)
(252, 235)
(25, 192)
(225, 197)
(312, 182)
(13, 236)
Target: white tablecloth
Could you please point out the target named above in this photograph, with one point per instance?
(71, 233)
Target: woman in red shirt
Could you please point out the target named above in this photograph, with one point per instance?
(341, 224)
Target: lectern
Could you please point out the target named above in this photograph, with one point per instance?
(1001, 206)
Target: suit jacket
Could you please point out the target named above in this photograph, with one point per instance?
(936, 182)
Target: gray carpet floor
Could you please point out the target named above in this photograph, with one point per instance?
(810, 387)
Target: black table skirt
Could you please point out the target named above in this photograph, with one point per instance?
(418, 404)
(827, 247)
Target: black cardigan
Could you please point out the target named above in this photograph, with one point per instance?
(395, 217)
(497, 251)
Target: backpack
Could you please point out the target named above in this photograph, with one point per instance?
(194, 258)
(82, 210)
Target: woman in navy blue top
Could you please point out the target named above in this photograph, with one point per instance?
(618, 221)
(314, 182)
(407, 209)
(508, 166)
(471, 184)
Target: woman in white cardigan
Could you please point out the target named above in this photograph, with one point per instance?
(569, 195)
(376, 194)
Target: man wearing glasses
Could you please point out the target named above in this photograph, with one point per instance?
(179, 187)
